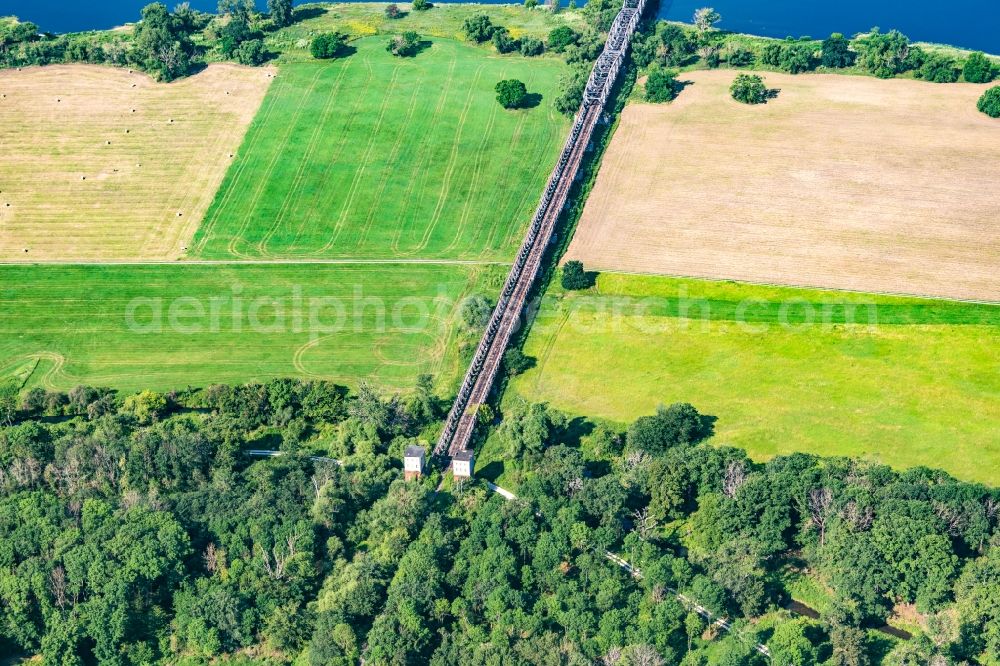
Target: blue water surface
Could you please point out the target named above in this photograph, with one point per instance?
(969, 23)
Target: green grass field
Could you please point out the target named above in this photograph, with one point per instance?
(66, 325)
(377, 156)
(919, 386)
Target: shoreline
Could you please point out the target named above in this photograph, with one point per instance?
(127, 25)
(962, 50)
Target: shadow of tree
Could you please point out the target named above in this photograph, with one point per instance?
(306, 13)
(530, 101)
(576, 429)
(492, 471)
(346, 51)
(707, 427)
(679, 85)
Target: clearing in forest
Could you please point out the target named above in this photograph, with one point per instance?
(163, 327)
(904, 381)
(103, 164)
(371, 155)
(840, 182)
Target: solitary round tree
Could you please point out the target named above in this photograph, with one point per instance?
(989, 103)
(661, 86)
(421, 5)
(706, 17)
(978, 68)
(511, 93)
(573, 276)
(327, 45)
(406, 44)
(749, 89)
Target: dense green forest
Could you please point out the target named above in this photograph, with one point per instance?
(135, 530)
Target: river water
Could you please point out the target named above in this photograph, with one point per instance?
(969, 23)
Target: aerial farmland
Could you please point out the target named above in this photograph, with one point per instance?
(356, 160)
(841, 181)
(461, 334)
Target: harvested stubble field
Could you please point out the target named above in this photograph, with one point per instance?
(99, 163)
(904, 381)
(841, 181)
(163, 327)
(376, 156)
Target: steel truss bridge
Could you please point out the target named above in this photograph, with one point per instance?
(506, 316)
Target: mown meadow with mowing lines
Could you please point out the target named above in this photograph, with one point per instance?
(377, 156)
(166, 327)
(904, 381)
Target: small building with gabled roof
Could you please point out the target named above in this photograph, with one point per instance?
(463, 464)
(413, 462)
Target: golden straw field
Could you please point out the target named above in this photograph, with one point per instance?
(103, 164)
(840, 181)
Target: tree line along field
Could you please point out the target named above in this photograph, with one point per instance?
(364, 19)
(840, 181)
(376, 156)
(918, 387)
(103, 164)
(62, 326)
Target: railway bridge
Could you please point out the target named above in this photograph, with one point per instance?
(506, 316)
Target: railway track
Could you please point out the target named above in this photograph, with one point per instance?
(506, 316)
